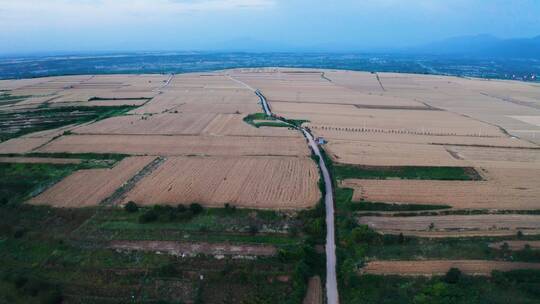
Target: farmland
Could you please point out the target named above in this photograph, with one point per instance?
(179, 188)
(153, 188)
(426, 168)
(255, 182)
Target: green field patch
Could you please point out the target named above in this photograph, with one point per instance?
(18, 181)
(521, 286)
(396, 247)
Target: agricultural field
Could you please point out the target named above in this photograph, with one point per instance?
(179, 188)
(430, 173)
(154, 189)
(254, 182)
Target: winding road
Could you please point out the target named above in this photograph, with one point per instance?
(331, 280)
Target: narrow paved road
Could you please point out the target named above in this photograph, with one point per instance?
(331, 281)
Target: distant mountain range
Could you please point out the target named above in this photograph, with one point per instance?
(484, 46)
(475, 46)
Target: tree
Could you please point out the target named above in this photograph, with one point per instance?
(181, 208)
(452, 276)
(148, 216)
(519, 234)
(253, 229)
(401, 238)
(363, 234)
(196, 208)
(131, 207)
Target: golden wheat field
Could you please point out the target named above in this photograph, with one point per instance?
(90, 187)
(254, 182)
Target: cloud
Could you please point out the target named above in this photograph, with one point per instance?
(32, 15)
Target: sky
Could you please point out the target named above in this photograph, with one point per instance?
(32, 26)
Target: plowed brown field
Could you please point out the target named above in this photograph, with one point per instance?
(254, 182)
(453, 223)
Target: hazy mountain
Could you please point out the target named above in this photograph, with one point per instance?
(484, 46)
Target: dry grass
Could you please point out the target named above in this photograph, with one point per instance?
(440, 267)
(193, 249)
(453, 223)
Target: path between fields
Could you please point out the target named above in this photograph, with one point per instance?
(331, 280)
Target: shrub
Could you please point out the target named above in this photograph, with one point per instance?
(131, 207)
(196, 208)
(181, 208)
(401, 238)
(253, 229)
(148, 217)
(19, 232)
(363, 234)
(452, 276)
(168, 270)
(51, 297)
(3, 201)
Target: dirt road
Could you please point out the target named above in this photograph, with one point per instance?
(331, 281)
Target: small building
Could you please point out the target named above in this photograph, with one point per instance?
(321, 141)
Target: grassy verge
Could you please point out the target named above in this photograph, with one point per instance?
(264, 121)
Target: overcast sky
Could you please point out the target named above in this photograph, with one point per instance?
(123, 25)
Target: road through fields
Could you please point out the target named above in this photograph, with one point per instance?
(331, 281)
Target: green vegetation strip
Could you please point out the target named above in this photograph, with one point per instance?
(519, 286)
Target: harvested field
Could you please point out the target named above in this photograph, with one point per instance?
(250, 182)
(453, 223)
(40, 160)
(438, 123)
(314, 294)
(516, 245)
(159, 124)
(233, 125)
(89, 187)
(193, 249)
(390, 154)
(504, 188)
(22, 144)
(178, 145)
(440, 267)
(498, 157)
(375, 136)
